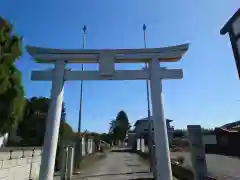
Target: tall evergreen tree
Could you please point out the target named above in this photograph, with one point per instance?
(12, 99)
(122, 125)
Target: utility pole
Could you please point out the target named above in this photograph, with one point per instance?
(150, 134)
(147, 81)
(78, 154)
(81, 86)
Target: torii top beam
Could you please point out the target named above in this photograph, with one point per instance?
(166, 54)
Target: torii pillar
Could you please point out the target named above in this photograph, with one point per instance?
(53, 122)
(164, 170)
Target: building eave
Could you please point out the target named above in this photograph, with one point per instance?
(228, 25)
(146, 119)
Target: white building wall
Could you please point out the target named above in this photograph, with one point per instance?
(143, 127)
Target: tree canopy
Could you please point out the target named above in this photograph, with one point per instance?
(121, 126)
(12, 99)
(32, 128)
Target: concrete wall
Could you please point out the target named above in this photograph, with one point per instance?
(20, 164)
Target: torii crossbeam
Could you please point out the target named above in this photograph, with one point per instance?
(107, 60)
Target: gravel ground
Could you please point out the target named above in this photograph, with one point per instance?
(220, 166)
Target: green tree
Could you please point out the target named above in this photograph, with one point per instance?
(122, 126)
(12, 99)
(112, 125)
(32, 128)
(207, 130)
(112, 132)
(109, 138)
(179, 133)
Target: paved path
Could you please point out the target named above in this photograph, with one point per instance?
(116, 166)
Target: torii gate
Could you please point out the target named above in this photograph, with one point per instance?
(107, 60)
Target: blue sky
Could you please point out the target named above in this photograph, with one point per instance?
(206, 95)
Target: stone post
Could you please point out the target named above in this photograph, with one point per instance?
(64, 163)
(138, 144)
(90, 146)
(83, 147)
(197, 151)
(70, 162)
(142, 145)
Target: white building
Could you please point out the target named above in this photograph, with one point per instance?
(142, 130)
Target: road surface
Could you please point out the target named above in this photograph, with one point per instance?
(220, 166)
(116, 166)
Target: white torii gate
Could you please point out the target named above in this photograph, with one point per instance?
(107, 60)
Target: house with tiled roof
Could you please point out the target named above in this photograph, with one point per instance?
(228, 139)
(141, 129)
(233, 126)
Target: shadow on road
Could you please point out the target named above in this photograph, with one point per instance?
(119, 174)
(123, 150)
(142, 179)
